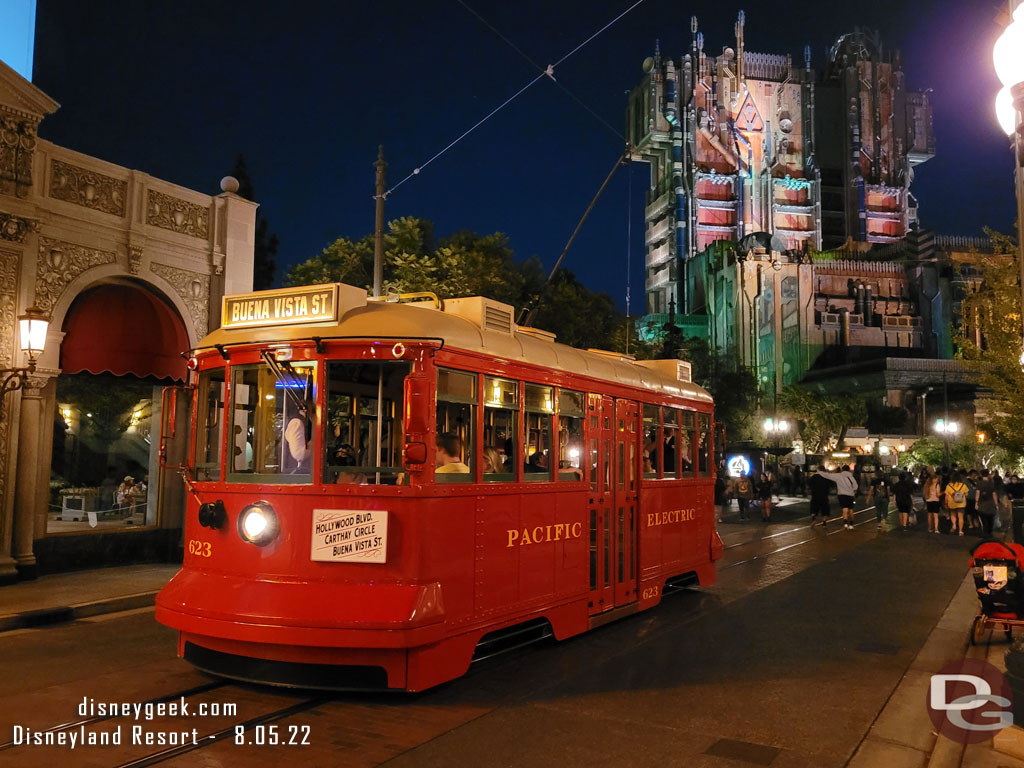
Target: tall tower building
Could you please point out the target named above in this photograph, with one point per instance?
(744, 144)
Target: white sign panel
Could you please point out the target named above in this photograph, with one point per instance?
(350, 536)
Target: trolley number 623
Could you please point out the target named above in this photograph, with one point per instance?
(200, 548)
(272, 734)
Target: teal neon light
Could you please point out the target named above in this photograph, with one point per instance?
(791, 183)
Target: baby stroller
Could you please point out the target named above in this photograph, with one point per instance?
(999, 578)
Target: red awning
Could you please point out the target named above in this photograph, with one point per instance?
(124, 330)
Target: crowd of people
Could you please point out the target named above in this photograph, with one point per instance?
(949, 499)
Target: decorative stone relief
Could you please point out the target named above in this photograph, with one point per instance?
(194, 290)
(60, 263)
(16, 228)
(17, 143)
(8, 292)
(88, 188)
(217, 260)
(134, 257)
(177, 215)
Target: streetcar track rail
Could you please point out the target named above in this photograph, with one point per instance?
(789, 546)
(210, 686)
(231, 730)
(789, 530)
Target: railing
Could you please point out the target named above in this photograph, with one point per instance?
(960, 243)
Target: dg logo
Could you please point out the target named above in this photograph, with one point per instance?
(969, 701)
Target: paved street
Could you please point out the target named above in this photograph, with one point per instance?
(786, 662)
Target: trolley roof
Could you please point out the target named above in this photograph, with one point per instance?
(337, 311)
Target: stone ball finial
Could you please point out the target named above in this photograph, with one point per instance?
(229, 184)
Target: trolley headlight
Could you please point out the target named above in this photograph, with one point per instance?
(258, 524)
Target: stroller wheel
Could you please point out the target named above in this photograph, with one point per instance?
(977, 630)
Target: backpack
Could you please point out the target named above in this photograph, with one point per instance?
(959, 497)
(743, 486)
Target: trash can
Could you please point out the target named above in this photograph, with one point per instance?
(1017, 517)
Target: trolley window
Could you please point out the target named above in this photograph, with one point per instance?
(272, 423)
(686, 443)
(540, 409)
(652, 442)
(670, 441)
(456, 423)
(364, 421)
(704, 444)
(570, 435)
(209, 426)
(501, 429)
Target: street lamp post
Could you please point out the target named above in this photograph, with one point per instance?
(32, 326)
(946, 428)
(1008, 58)
(776, 428)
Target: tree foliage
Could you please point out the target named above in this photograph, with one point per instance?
(821, 419)
(467, 264)
(994, 311)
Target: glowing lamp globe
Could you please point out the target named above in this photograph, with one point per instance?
(33, 332)
(1008, 53)
(1005, 112)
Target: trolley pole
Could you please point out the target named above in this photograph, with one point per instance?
(378, 234)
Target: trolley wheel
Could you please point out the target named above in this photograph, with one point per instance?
(977, 630)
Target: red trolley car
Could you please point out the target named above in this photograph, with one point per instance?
(328, 541)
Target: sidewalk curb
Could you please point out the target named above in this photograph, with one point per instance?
(65, 613)
(902, 733)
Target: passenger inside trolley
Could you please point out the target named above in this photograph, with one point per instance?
(448, 457)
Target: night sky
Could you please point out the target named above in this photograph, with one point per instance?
(306, 91)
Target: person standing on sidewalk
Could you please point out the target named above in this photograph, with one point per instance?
(764, 495)
(846, 486)
(721, 495)
(971, 512)
(932, 493)
(987, 503)
(904, 493)
(744, 492)
(820, 489)
(956, 502)
(880, 493)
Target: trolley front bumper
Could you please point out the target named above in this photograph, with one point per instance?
(297, 613)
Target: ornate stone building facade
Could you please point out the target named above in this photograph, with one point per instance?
(89, 242)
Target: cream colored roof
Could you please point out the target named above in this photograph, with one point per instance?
(409, 321)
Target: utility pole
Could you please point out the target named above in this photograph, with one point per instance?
(378, 233)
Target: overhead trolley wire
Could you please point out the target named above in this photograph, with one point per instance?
(496, 110)
(548, 71)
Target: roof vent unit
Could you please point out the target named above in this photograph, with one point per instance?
(620, 356)
(536, 333)
(678, 370)
(484, 313)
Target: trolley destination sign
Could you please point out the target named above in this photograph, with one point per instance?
(349, 535)
(285, 306)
